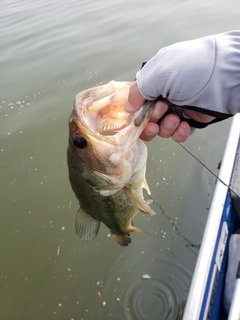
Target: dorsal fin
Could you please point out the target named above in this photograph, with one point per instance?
(86, 226)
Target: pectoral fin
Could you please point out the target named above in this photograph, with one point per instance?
(86, 226)
(137, 201)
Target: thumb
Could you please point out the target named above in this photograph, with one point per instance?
(135, 100)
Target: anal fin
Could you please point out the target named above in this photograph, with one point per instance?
(86, 226)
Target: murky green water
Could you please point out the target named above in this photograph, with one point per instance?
(49, 51)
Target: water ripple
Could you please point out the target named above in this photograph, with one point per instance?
(150, 298)
(145, 288)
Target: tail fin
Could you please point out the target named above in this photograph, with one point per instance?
(122, 239)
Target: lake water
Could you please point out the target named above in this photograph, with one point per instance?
(49, 51)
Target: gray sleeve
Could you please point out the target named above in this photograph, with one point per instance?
(203, 73)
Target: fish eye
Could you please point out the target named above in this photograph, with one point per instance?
(79, 142)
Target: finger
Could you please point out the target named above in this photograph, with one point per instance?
(182, 133)
(168, 125)
(135, 99)
(198, 116)
(150, 131)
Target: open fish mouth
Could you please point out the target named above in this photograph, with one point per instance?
(102, 109)
(112, 117)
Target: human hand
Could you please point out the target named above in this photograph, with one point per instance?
(170, 126)
(199, 78)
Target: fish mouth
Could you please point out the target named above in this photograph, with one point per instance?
(110, 116)
(112, 122)
(104, 113)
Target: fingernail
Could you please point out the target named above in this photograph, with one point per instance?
(159, 110)
(151, 132)
(183, 130)
(128, 107)
(170, 122)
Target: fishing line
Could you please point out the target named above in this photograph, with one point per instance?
(205, 166)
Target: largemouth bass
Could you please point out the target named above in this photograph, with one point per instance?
(107, 161)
